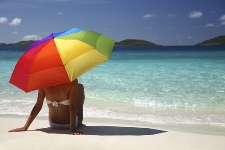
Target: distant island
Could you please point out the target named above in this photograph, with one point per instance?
(220, 40)
(127, 42)
(21, 43)
(133, 42)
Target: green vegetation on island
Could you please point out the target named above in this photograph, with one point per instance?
(21, 43)
(133, 42)
(220, 40)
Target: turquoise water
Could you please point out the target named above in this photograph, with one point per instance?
(163, 85)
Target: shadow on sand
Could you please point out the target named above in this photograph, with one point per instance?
(106, 131)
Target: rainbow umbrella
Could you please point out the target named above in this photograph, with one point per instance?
(60, 58)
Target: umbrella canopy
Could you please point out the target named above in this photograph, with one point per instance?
(60, 58)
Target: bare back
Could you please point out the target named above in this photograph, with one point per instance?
(59, 93)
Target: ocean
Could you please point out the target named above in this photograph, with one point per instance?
(156, 85)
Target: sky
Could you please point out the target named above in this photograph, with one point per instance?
(164, 22)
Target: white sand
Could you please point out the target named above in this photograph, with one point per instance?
(101, 134)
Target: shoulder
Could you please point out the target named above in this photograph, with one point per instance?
(75, 81)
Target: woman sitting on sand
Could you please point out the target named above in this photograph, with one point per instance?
(65, 103)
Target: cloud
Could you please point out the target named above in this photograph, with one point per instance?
(170, 15)
(222, 18)
(123, 22)
(7, 5)
(189, 37)
(3, 19)
(209, 25)
(31, 37)
(149, 15)
(15, 22)
(15, 32)
(62, 0)
(84, 1)
(177, 37)
(59, 13)
(195, 14)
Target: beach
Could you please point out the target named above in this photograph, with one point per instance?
(102, 134)
(142, 98)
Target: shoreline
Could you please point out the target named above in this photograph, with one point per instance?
(187, 128)
(101, 134)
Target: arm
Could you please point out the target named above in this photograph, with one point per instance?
(36, 109)
(80, 103)
(73, 108)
